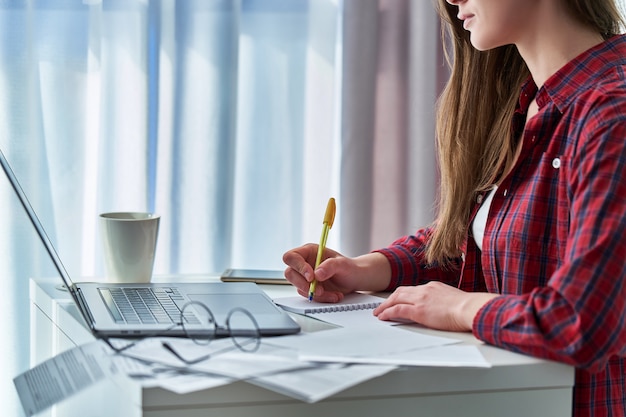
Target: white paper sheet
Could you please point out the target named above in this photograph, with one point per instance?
(225, 359)
(364, 341)
(183, 383)
(449, 356)
(315, 384)
(63, 376)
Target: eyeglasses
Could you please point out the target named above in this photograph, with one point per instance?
(240, 326)
(199, 325)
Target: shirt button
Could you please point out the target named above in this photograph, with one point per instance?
(556, 163)
(505, 192)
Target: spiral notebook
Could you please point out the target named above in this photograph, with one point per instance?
(351, 302)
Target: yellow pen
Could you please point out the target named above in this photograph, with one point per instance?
(329, 218)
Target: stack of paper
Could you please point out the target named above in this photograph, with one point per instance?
(306, 366)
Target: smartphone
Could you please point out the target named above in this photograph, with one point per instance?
(260, 276)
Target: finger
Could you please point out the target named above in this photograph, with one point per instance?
(308, 252)
(323, 296)
(297, 260)
(296, 279)
(401, 296)
(323, 272)
(303, 286)
(303, 293)
(400, 312)
(329, 268)
(388, 302)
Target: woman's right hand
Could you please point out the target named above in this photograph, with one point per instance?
(336, 275)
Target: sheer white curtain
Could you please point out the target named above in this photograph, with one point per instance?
(235, 120)
(219, 115)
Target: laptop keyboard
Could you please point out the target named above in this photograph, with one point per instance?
(145, 305)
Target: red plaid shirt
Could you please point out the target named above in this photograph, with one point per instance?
(555, 238)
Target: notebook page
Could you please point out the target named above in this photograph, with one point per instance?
(354, 310)
(352, 318)
(351, 302)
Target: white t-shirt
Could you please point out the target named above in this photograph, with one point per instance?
(480, 221)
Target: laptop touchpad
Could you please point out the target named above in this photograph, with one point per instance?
(221, 304)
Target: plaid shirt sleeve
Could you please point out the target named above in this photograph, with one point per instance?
(408, 265)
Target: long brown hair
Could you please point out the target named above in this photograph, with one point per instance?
(475, 111)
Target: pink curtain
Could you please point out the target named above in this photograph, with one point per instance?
(394, 70)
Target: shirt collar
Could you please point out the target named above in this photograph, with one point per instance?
(577, 75)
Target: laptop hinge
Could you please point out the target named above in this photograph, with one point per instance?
(82, 305)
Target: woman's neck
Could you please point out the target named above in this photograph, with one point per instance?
(553, 40)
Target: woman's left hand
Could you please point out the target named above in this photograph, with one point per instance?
(435, 305)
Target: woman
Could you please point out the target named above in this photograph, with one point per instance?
(528, 250)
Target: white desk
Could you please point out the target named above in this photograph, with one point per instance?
(516, 385)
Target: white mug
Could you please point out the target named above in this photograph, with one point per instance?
(129, 244)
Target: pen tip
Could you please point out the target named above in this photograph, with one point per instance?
(310, 297)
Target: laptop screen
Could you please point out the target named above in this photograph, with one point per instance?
(37, 224)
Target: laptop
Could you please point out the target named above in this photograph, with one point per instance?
(153, 309)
